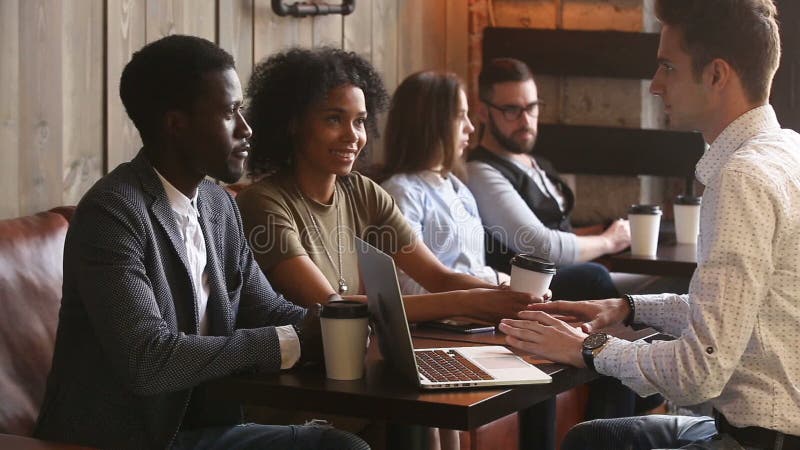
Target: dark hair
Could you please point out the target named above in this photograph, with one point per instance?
(166, 75)
(420, 127)
(284, 87)
(742, 32)
(501, 70)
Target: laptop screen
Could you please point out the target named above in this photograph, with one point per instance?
(386, 308)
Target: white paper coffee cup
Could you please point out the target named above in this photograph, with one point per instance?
(531, 274)
(687, 219)
(344, 339)
(645, 220)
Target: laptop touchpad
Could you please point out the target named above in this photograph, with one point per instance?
(501, 362)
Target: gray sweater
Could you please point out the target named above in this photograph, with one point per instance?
(506, 216)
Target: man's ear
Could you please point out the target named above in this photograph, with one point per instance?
(175, 123)
(718, 73)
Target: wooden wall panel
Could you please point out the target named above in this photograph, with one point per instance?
(358, 32)
(9, 108)
(328, 30)
(235, 31)
(64, 58)
(83, 121)
(273, 33)
(162, 18)
(125, 31)
(384, 40)
(421, 45)
(195, 17)
(526, 13)
(40, 138)
(456, 30)
(199, 18)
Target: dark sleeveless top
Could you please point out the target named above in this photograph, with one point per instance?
(542, 205)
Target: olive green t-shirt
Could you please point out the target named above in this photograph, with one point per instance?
(278, 226)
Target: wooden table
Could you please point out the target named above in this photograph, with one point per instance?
(382, 395)
(674, 260)
(10, 441)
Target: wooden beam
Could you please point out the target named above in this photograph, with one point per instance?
(610, 54)
(619, 151)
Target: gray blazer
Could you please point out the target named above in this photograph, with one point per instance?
(127, 356)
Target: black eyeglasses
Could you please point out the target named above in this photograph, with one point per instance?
(511, 112)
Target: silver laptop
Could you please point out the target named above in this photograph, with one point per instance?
(439, 368)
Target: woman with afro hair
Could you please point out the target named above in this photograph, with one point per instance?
(312, 113)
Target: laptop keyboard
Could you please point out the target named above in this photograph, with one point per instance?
(438, 365)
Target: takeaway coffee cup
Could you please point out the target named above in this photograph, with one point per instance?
(687, 219)
(344, 339)
(531, 274)
(645, 221)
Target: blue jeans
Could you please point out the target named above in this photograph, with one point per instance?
(583, 281)
(648, 432)
(263, 437)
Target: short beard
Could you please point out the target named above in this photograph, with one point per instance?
(229, 175)
(506, 142)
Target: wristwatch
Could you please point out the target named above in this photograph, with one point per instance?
(592, 346)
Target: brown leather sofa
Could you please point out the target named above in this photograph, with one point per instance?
(31, 251)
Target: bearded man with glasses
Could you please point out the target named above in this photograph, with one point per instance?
(523, 202)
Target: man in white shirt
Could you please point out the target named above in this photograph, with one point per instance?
(161, 292)
(736, 330)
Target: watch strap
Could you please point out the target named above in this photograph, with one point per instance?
(591, 346)
(588, 358)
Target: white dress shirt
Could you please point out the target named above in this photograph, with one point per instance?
(187, 218)
(737, 329)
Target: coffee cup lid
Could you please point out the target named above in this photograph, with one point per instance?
(344, 310)
(530, 262)
(688, 200)
(645, 209)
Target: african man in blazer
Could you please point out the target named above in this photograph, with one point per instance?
(142, 326)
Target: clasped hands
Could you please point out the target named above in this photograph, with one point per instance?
(545, 329)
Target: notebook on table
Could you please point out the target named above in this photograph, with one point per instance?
(439, 368)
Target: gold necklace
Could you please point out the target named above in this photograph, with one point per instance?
(342, 284)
